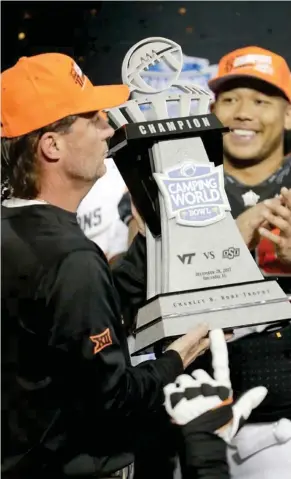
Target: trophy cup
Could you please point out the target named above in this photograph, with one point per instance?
(198, 266)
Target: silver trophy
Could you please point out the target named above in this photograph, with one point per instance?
(168, 149)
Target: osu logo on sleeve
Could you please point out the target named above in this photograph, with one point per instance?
(101, 340)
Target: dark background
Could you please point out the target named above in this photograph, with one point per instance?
(98, 34)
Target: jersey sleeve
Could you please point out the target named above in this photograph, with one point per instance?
(203, 456)
(87, 328)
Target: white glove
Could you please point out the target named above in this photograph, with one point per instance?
(208, 401)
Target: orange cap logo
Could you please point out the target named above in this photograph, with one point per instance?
(261, 63)
(77, 74)
(254, 62)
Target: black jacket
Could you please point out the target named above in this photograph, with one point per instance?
(67, 384)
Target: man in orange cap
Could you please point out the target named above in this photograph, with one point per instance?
(72, 405)
(252, 97)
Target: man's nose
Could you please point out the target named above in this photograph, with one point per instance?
(244, 110)
(109, 132)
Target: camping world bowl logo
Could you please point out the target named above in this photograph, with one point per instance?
(194, 193)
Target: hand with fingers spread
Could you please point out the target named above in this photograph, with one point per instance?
(278, 216)
(205, 404)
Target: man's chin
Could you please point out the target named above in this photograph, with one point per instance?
(98, 174)
(243, 158)
(101, 171)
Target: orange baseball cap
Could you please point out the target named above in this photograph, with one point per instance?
(42, 89)
(254, 62)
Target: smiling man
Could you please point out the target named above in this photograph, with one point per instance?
(252, 97)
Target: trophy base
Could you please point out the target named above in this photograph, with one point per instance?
(229, 307)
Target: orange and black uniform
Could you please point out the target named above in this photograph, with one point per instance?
(264, 358)
(68, 390)
(265, 253)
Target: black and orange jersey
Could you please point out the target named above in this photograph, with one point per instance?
(243, 196)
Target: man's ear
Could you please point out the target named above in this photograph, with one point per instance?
(50, 145)
(287, 122)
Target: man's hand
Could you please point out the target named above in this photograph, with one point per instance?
(191, 345)
(278, 215)
(204, 404)
(250, 221)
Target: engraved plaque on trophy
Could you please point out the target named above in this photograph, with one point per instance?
(198, 266)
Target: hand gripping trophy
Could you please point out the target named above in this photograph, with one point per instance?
(198, 266)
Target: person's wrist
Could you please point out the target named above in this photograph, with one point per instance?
(180, 354)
